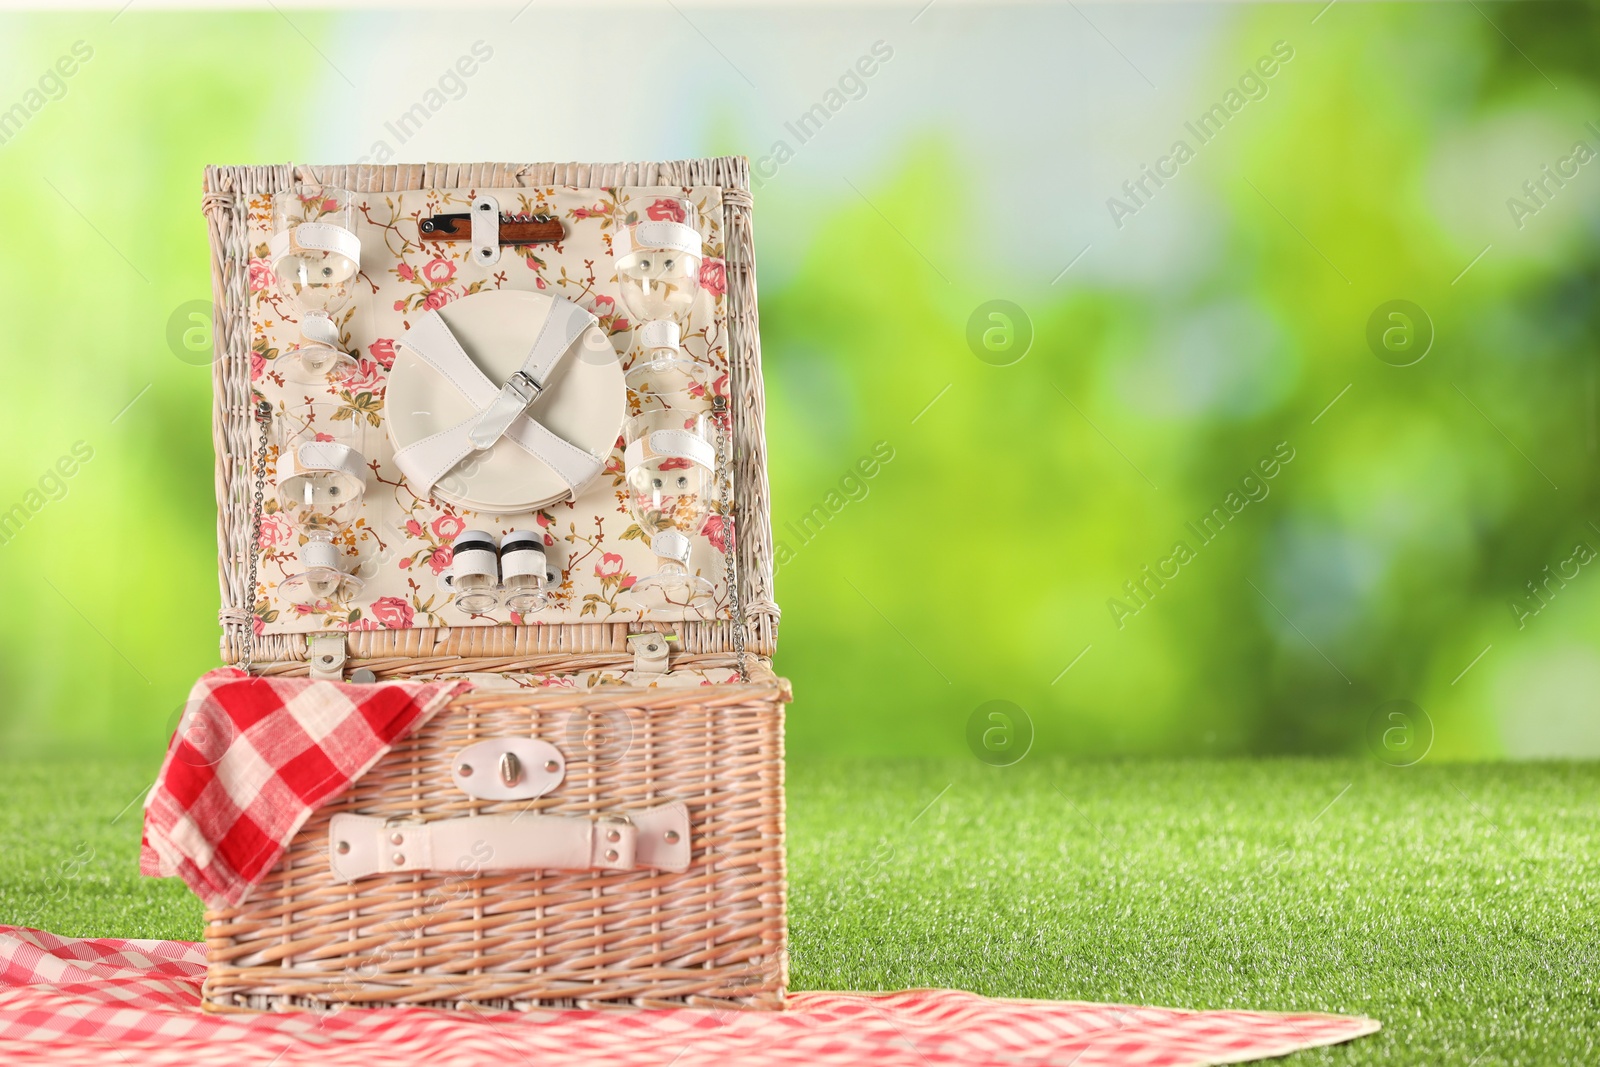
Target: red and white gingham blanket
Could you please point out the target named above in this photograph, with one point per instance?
(67, 1002)
(253, 757)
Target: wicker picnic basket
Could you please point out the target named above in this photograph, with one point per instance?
(710, 934)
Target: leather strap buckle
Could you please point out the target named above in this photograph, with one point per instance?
(519, 391)
(500, 410)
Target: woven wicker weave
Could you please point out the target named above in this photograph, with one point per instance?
(714, 935)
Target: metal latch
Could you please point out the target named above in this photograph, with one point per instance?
(508, 768)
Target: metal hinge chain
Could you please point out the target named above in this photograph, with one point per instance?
(263, 415)
(729, 533)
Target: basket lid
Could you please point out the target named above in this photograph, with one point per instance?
(402, 541)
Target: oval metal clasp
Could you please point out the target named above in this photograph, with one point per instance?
(508, 768)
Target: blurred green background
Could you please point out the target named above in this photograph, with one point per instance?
(1173, 343)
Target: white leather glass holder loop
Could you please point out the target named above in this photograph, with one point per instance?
(317, 328)
(486, 231)
(321, 554)
(508, 768)
(669, 444)
(322, 457)
(671, 544)
(316, 237)
(654, 234)
(330, 456)
(661, 333)
(656, 838)
(322, 577)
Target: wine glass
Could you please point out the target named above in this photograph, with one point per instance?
(658, 260)
(316, 256)
(321, 478)
(322, 464)
(670, 465)
(322, 578)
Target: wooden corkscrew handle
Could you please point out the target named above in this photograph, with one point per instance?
(514, 229)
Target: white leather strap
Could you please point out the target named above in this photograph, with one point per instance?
(671, 544)
(320, 554)
(317, 328)
(657, 233)
(325, 654)
(650, 653)
(330, 456)
(565, 323)
(314, 237)
(359, 845)
(519, 391)
(426, 461)
(669, 444)
(661, 333)
(486, 231)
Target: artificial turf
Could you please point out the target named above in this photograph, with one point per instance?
(1455, 903)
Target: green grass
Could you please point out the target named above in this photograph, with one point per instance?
(1457, 904)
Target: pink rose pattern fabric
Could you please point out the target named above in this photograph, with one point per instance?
(402, 543)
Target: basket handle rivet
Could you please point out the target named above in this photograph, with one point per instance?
(397, 839)
(466, 770)
(613, 835)
(399, 859)
(552, 766)
(344, 847)
(672, 837)
(611, 855)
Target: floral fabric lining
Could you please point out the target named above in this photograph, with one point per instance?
(404, 541)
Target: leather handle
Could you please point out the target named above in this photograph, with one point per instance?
(360, 845)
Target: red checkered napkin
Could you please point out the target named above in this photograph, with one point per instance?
(65, 1002)
(253, 758)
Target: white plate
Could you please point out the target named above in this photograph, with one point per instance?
(583, 401)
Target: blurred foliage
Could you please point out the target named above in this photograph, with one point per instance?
(1387, 555)
(978, 562)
